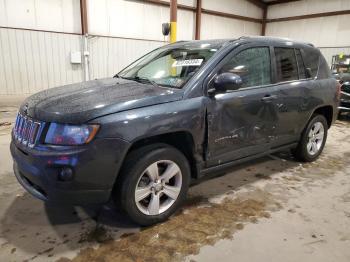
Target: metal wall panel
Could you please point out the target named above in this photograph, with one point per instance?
(237, 7)
(135, 20)
(31, 61)
(324, 31)
(306, 7)
(109, 55)
(222, 27)
(53, 15)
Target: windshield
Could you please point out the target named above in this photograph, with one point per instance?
(171, 67)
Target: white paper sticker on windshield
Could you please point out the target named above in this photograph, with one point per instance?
(189, 62)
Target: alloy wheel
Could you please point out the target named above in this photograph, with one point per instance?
(158, 187)
(315, 138)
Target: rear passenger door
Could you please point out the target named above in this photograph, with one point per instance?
(291, 79)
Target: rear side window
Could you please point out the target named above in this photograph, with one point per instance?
(311, 60)
(301, 67)
(287, 67)
(323, 72)
(252, 65)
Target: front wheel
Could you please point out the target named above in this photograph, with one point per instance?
(312, 140)
(153, 183)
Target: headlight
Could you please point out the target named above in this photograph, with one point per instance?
(63, 134)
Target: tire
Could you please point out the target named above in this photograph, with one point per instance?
(306, 153)
(137, 179)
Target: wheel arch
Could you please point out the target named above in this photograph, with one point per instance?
(181, 140)
(327, 111)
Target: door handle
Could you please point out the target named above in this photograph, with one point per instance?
(268, 98)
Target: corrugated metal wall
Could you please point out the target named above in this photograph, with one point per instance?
(332, 32)
(31, 61)
(109, 55)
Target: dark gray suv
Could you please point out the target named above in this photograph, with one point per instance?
(175, 115)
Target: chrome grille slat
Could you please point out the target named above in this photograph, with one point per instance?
(26, 130)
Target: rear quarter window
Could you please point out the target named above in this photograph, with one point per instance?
(323, 69)
(311, 58)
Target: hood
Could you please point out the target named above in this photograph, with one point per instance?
(81, 102)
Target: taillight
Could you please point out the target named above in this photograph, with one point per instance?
(338, 90)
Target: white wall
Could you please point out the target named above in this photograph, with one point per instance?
(305, 7)
(109, 55)
(237, 7)
(331, 34)
(221, 27)
(31, 61)
(50, 15)
(131, 19)
(332, 31)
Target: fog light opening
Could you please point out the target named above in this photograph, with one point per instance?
(65, 174)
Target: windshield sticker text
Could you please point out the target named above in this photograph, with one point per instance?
(189, 62)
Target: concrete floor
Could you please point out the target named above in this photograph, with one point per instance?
(271, 209)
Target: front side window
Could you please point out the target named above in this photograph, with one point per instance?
(287, 68)
(252, 65)
(171, 67)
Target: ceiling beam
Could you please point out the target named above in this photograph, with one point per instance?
(300, 17)
(228, 15)
(276, 2)
(203, 11)
(258, 3)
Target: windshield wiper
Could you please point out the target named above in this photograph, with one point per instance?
(142, 80)
(117, 76)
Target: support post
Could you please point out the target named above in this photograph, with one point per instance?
(198, 19)
(263, 24)
(173, 20)
(83, 17)
(84, 32)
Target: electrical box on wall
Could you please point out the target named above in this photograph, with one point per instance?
(75, 57)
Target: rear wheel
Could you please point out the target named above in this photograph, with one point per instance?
(312, 139)
(153, 183)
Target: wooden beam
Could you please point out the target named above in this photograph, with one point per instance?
(263, 24)
(276, 2)
(258, 3)
(83, 17)
(198, 19)
(233, 16)
(206, 11)
(165, 3)
(300, 17)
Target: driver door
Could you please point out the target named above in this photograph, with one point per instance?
(242, 122)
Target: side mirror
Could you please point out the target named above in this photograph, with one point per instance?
(224, 82)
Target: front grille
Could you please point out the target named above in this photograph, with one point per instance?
(26, 130)
(345, 88)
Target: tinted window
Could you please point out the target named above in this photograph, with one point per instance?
(252, 65)
(311, 60)
(301, 67)
(287, 68)
(323, 71)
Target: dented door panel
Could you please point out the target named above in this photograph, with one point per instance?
(240, 123)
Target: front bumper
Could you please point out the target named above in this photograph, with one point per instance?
(95, 167)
